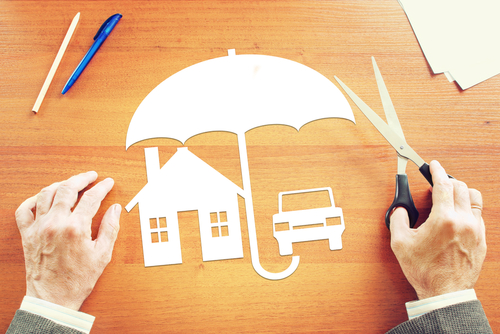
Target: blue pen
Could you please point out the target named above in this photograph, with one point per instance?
(99, 38)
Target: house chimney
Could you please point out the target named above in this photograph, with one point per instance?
(152, 163)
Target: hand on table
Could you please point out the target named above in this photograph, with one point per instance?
(63, 263)
(446, 253)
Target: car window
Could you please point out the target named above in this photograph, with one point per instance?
(306, 200)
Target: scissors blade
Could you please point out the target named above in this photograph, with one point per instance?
(385, 130)
(390, 113)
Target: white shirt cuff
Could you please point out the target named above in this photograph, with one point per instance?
(420, 307)
(59, 314)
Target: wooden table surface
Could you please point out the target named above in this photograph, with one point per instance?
(357, 289)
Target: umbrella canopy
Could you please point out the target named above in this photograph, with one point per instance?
(236, 94)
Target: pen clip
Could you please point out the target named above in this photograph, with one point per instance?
(103, 26)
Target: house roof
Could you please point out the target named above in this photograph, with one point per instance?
(185, 171)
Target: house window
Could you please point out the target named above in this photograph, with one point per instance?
(158, 229)
(219, 224)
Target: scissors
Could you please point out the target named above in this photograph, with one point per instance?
(393, 133)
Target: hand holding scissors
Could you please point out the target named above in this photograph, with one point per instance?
(393, 133)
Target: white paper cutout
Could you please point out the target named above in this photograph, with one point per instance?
(458, 38)
(237, 93)
(302, 218)
(186, 183)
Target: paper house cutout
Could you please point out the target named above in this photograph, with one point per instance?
(187, 183)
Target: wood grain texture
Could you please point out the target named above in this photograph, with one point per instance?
(357, 289)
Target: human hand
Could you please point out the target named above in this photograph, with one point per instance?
(62, 261)
(446, 253)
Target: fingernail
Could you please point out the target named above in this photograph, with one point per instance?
(117, 209)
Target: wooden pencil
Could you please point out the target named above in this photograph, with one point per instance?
(53, 69)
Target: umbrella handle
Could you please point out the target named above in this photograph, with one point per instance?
(252, 232)
(274, 276)
(254, 249)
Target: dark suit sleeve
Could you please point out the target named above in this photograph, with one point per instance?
(465, 317)
(27, 323)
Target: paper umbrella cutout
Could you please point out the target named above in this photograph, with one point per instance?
(235, 93)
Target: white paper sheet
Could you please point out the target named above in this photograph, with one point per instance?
(457, 36)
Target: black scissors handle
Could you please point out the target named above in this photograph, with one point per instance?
(402, 198)
(426, 172)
